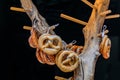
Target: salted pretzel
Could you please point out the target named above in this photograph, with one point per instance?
(105, 46)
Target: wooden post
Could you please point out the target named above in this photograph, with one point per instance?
(90, 53)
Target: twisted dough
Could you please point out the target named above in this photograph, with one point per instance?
(105, 46)
(40, 55)
(33, 41)
(44, 58)
(77, 49)
(67, 60)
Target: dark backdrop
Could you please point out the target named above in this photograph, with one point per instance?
(20, 57)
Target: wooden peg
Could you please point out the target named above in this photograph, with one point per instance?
(17, 9)
(73, 19)
(105, 12)
(27, 27)
(113, 16)
(89, 4)
(59, 78)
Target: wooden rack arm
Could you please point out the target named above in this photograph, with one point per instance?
(89, 4)
(27, 27)
(73, 19)
(105, 12)
(113, 16)
(59, 78)
(17, 9)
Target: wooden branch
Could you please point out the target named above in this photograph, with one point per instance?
(73, 19)
(112, 16)
(90, 52)
(39, 22)
(89, 4)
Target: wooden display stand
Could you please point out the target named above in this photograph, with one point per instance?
(96, 41)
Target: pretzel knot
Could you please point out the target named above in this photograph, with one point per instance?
(67, 61)
(105, 47)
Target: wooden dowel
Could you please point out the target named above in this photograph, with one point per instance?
(113, 16)
(17, 9)
(105, 12)
(106, 31)
(73, 19)
(59, 78)
(89, 4)
(27, 27)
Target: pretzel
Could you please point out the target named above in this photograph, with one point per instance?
(105, 46)
(67, 61)
(33, 41)
(44, 58)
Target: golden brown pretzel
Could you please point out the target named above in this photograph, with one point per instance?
(67, 61)
(50, 44)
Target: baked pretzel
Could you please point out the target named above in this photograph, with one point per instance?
(105, 46)
(50, 44)
(44, 58)
(33, 41)
(67, 60)
(40, 55)
(77, 49)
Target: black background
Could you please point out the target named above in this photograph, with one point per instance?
(20, 57)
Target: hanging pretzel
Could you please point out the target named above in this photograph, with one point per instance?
(44, 58)
(105, 46)
(67, 60)
(33, 41)
(50, 44)
(77, 49)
